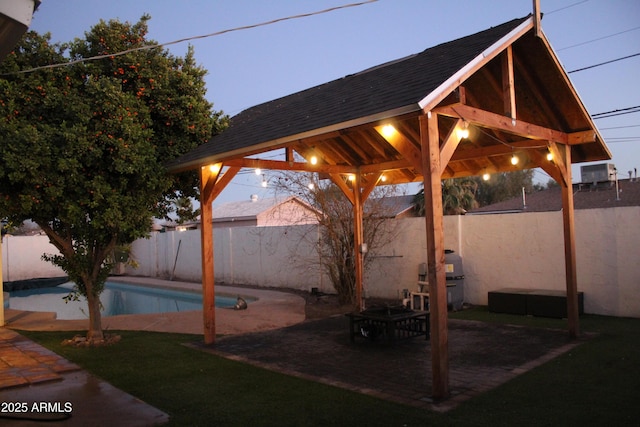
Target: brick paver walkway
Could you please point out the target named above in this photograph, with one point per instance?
(23, 362)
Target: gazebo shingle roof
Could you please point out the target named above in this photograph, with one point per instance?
(393, 86)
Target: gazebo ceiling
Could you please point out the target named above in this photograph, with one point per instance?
(504, 85)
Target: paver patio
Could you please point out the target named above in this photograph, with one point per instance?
(482, 356)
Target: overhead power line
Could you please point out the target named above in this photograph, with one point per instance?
(618, 112)
(566, 7)
(203, 36)
(598, 39)
(620, 127)
(603, 63)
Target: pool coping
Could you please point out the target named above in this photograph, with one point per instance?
(271, 310)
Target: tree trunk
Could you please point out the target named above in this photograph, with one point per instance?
(94, 332)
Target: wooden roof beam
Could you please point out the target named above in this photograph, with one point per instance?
(288, 154)
(488, 119)
(534, 87)
(583, 137)
(342, 185)
(369, 185)
(496, 150)
(223, 181)
(368, 142)
(508, 85)
(448, 147)
(290, 166)
(338, 152)
(385, 166)
(402, 144)
(357, 148)
(558, 160)
(208, 178)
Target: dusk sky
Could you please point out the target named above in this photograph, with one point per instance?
(251, 66)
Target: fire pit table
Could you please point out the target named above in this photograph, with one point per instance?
(391, 322)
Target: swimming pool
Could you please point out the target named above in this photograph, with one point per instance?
(117, 298)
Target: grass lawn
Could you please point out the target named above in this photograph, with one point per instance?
(594, 384)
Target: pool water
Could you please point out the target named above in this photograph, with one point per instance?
(117, 298)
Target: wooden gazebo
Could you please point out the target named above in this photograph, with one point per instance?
(467, 107)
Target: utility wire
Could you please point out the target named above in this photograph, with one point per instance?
(217, 33)
(566, 7)
(620, 127)
(598, 39)
(603, 63)
(618, 112)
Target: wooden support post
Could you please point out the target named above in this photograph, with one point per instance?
(508, 84)
(573, 314)
(560, 170)
(357, 196)
(430, 147)
(208, 177)
(537, 18)
(358, 235)
(211, 184)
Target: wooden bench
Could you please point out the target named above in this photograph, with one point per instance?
(533, 302)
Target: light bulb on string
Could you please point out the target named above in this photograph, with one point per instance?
(463, 132)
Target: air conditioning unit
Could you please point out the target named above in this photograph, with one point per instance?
(598, 173)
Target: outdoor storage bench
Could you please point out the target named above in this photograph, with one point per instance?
(533, 302)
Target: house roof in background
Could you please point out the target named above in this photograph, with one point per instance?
(585, 196)
(250, 209)
(392, 206)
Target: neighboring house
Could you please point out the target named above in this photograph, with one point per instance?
(264, 213)
(588, 194)
(395, 206)
(268, 212)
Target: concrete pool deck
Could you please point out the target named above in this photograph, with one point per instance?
(271, 310)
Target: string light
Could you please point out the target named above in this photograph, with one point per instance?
(463, 132)
(514, 159)
(388, 131)
(549, 156)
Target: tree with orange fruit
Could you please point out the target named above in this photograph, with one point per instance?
(83, 146)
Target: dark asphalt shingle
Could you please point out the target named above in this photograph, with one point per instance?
(396, 84)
